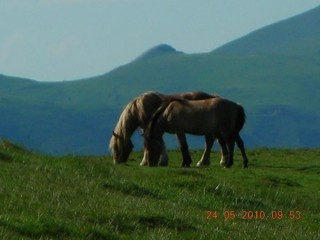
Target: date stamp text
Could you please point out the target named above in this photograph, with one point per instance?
(276, 215)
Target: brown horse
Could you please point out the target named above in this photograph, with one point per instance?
(138, 113)
(214, 118)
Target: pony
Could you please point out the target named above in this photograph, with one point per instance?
(213, 118)
(138, 113)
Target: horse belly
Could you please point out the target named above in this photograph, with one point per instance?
(202, 124)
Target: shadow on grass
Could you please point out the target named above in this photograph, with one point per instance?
(39, 230)
(165, 222)
(275, 181)
(5, 157)
(131, 188)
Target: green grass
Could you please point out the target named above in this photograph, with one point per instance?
(78, 197)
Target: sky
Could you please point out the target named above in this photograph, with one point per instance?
(58, 40)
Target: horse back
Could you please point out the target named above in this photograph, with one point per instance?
(203, 116)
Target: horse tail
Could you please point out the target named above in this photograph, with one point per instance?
(241, 118)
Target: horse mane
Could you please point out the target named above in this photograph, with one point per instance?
(146, 104)
(126, 124)
(136, 113)
(155, 116)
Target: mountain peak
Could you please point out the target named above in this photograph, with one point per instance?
(158, 50)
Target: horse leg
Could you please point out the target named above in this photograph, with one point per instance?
(205, 159)
(224, 151)
(144, 159)
(230, 146)
(240, 145)
(186, 159)
(164, 159)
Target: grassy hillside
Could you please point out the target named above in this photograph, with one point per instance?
(78, 116)
(71, 197)
(280, 95)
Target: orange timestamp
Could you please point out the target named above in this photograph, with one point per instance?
(254, 215)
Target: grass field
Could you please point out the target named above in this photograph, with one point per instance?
(77, 197)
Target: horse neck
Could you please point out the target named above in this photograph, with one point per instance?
(156, 126)
(146, 106)
(127, 123)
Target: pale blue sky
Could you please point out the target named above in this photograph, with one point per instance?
(54, 40)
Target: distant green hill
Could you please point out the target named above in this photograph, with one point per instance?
(277, 85)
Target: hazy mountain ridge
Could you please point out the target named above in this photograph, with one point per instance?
(296, 35)
(279, 91)
(158, 50)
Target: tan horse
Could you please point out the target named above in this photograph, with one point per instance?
(212, 118)
(138, 113)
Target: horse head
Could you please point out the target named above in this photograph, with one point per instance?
(153, 142)
(121, 148)
(153, 148)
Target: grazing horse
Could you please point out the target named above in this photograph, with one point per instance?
(213, 118)
(138, 113)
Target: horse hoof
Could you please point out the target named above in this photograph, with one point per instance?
(186, 166)
(245, 164)
(202, 165)
(163, 164)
